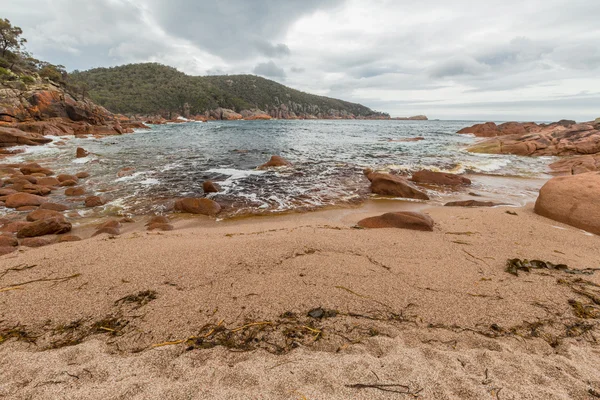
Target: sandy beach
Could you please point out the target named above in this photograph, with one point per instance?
(306, 306)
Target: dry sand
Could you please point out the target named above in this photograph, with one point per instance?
(434, 311)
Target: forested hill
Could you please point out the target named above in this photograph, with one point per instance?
(153, 88)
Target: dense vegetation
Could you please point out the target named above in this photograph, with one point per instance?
(152, 88)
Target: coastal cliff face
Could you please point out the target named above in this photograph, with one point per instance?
(28, 112)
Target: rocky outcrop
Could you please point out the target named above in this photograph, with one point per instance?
(276, 161)
(439, 178)
(558, 139)
(225, 114)
(198, 206)
(576, 165)
(490, 129)
(572, 200)
(43, 108)
(405, 220)
(391, 185)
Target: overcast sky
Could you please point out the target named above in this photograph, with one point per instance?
(459, 59)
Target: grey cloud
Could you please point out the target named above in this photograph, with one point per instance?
(269, 69)
(235, 29)
(297, 69)
(269, 50)
(457, 66)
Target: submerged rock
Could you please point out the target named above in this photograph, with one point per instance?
(572, 200)
(390, 185)
(276, 161)
(94, 201)
(210, 187)
(81, 153)
(403, 219)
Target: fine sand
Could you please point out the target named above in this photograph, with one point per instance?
(433, 311)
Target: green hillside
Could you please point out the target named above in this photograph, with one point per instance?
(153, 88)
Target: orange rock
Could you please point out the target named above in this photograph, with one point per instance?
(14, 227)
(472, 203)
(439, 178)
(54, 207)
(43, 227)
(8, 241)
(48, 181)
(74, 191)
(390, 185)
(68, 238)
(125, 172)
(210, 187)
(81, 152)
(7, 250)
(82, 175)
(43, 214)
(198, 206)
(110, 224)
(24, 199)
(27, 208)
(572, 200)
(404, 219)
(108, 231)
(36, 242)
(65, 177)
(158, 219)
(276, 161)
(94, 201)
(160, 227)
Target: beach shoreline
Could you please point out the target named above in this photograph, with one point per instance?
(435, 311)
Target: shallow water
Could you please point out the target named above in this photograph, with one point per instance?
(173, 160)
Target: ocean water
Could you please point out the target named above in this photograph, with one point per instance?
(173, 160)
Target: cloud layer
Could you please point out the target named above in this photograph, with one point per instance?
(526, 59)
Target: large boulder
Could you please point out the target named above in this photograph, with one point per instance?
(440, 178)
(391, 185)
(17, 200)
(43, 227)
(404, 219)
(198, 206)
(572, 200)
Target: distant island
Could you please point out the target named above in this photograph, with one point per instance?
(414, 118)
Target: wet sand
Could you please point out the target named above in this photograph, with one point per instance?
(433, 311)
